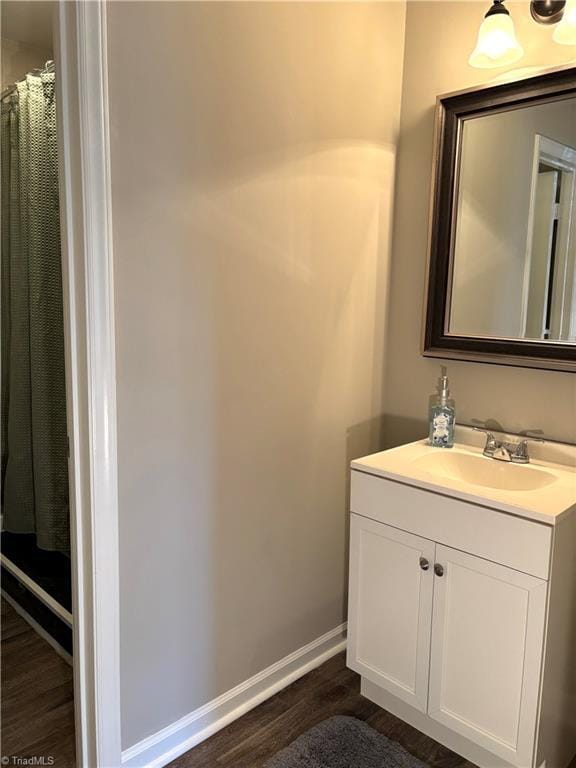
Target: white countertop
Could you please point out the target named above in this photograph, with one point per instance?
(547, 504)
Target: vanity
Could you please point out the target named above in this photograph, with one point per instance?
(462, 598)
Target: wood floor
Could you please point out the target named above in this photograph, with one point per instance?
(38, 711)
(332, 689)
(37, 695)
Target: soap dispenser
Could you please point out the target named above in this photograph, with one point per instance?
(442, 415)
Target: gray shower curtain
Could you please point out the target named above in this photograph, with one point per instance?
(34, 442)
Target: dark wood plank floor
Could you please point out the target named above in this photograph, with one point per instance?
(38, 711)
(332, 689)
(37, 695)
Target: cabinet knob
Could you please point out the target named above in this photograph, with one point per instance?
(439, 569)
(424, 564)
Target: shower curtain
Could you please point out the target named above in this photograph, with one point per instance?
(34, 442)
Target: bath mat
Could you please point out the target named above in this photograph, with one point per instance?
(343, 742)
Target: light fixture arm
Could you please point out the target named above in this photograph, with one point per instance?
(547, 11)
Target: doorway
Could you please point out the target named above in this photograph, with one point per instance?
(549, 306)
(78, 39)
(37, 708)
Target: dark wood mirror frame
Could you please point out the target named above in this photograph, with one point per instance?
(451, 111)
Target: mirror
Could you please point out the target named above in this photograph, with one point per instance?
(502, 271)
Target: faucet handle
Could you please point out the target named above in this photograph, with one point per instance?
(520, 454)
(491, 442)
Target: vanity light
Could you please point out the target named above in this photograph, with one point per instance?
(565, 32)
(497, 44)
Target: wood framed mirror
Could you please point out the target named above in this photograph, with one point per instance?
(502, 249)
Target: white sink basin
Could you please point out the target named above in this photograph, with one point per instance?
(488, 473)
(544, 490)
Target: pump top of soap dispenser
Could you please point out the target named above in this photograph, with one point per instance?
(443, 387)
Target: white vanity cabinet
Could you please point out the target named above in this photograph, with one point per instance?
(450, 617)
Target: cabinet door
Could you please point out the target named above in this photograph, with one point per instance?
(487, 641)
(390, 608)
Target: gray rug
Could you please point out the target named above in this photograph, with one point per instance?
(343, 742)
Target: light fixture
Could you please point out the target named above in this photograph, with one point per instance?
(565, 32)
(497, 45)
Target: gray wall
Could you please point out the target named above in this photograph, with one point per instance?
(18, 59)
(27, 37)
(439, 38)
(253, 150)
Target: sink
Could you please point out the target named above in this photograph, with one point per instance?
(488, 473)
(543, 490)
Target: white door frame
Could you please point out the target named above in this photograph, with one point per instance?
(561, 157)
(82, 103)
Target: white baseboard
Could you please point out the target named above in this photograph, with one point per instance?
(38, 628)
(166, 745)
(37, 590)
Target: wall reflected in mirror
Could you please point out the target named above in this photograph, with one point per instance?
(513, 265)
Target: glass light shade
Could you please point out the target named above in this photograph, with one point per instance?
(497, 44)
(565, 32)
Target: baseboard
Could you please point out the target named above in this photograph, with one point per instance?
(166, 745)
(37, 590)
(38, 628)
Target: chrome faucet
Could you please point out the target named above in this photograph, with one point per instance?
(501, 450)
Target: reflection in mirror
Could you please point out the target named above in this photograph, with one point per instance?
(514, 255)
